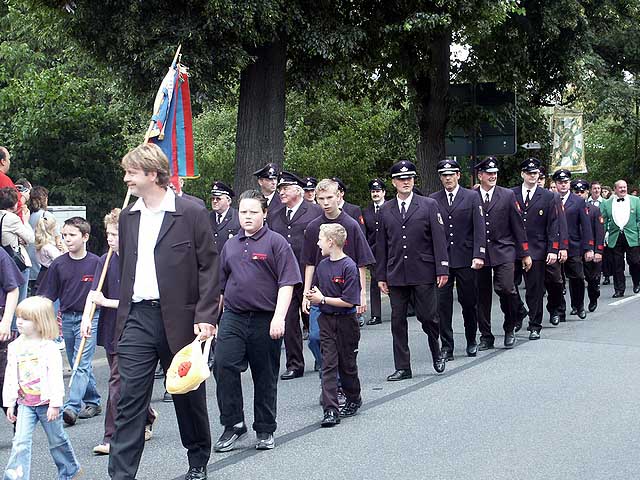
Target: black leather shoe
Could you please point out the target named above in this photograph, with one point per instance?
(534, 335)
(374, 321)
(350, 409)
(229, 437)
(582, 314)
(636, 288)
(196, 473)
(316, 366)
(563, 318)
(574, 311)
(509, 339)
(399, 375)
(265, 441)
(291, 374)
(331, 419)
(447, 355)
(593, 305)
(617, 295)
(439, 364)
(606, 281)
(485, 345)
(554, 319)
(472, 350)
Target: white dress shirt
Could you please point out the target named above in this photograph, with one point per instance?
(484, 193)
(145, 286)
(451, 199)
(620, 211)
(532, 190)
(293, 209)
(407, 202)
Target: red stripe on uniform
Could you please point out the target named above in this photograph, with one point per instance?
(591, 242)
(525, 246)
(555, 245)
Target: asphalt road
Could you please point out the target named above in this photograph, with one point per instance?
(563, 407)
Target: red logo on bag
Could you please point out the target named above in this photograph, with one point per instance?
(259, 256)
(87, 278)
(338, 280)
(184, 368)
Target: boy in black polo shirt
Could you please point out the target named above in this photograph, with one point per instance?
(337, 292)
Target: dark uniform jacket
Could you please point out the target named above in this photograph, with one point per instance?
(293, 232)
(227, 229)
(506, 236)
(563, 232)
(597, 227)
(578, 226)
(540, 219)
(463, 226)
(371, 223)
(186, 268)
(354, 212)
(414, 250)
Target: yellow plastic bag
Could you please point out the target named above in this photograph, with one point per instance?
(189, 367)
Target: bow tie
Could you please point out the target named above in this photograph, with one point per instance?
(619, 199)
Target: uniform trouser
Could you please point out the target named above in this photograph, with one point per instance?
(554, 285)
(244, 341)
(142, 343)
(425, 300)
(534, 281)
(592, 276)
(467, 288)
(607, 262)
(375, 302)
(633, 259)
(503, 285)
(574, 271)
(339, 338)
(293, 332)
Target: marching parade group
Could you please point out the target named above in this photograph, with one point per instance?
(290, 264)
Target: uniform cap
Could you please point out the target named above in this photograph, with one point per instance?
(530, 165)
(489, 165)
(447, 167)
(562, 174)
(288, 178)
(219, 188)
(377, 184)
(580, 185)
(403, 169)
(270, 170)
(310, 183)
(341, 186)
(543, 172)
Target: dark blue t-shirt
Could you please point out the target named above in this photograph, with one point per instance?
(110, 290)
(338, 279)
(69, 281)
(10, 277)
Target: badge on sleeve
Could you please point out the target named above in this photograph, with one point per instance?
(481, 212)
(440, 219)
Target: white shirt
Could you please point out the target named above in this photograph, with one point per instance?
(407, 202)
(532, 190)
(451, 199)
(620, 211)
(145, 286)
(293, 209)
(484, 193)
(222, 215)
(564, 198)
(269, 197)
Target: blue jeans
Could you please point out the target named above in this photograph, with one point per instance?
(83, 388)
(314, 334)
(59, 444)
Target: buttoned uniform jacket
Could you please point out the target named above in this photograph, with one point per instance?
(540, 219)
(354, 212)
(630, 229)
(412, 251)
(227, 229)
(293, 232)
(371, 224)
(187, 272)
(597, 227)
(506, 236)
(578, 227)
(464, 224)
(563, 231)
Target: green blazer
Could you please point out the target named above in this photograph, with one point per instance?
(631, 229)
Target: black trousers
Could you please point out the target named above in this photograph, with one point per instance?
(592, 272)
(293, 332)
(374, 295)
(554, 285)
(425, 300)
(574, 271)
(503, 285)
(607, 262)
(339, 338)
(244, 341)
(143, 342)
(621, 249)
(534, 281)
(465, 280)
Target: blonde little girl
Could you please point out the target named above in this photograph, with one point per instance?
(46, 249)
(33, 380)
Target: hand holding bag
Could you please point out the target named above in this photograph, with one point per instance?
(189, 367)
(15, 256)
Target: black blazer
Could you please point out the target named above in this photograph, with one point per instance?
(371, 225)
(463, 226)
(186, 268)
(578, 226)
(227, 229)
(540, 219)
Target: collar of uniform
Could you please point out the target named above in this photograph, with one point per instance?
(407, 201)
(168, 204)
(532, 190)
(490, 191)
(256, 236)
(295, 208)
(454, 191)
(341, 204)
(222, 214)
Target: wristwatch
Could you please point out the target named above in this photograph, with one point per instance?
(322, 302)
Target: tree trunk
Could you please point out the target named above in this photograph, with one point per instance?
(431, 88)
(260, 126)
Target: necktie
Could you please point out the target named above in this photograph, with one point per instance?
(450, 198)
(377, 209)
(289, 212)
(403, 211)
(486, 197)
(219, 218)
(526, 200)
(620, 200)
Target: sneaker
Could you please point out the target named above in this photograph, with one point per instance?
(69, 416)
(350, 409)
(102, 449)
(90, 411)
(229, 437)
(148, 429)
(305, 334)
(60, 343)
(265, 441)
(78, 474)
(331, 419)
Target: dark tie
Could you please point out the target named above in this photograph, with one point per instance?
(289, 212)
(377, 209)
(620, 200)
(450, 198)
(403, 211)
(486, 197)
(219, 218)
(526, 200)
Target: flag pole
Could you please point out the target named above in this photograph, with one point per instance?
(103, 274)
